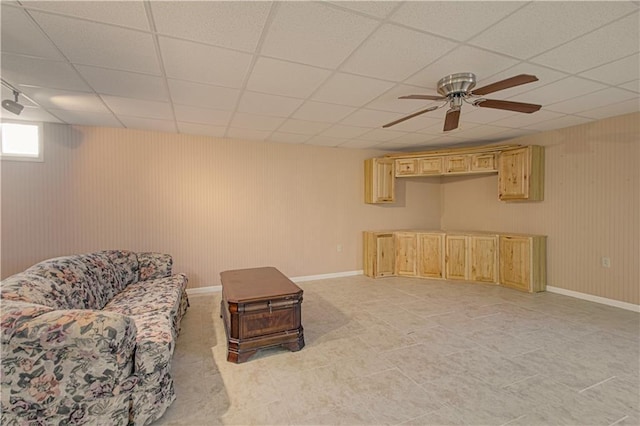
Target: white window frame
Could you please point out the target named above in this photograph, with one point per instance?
(22, 157)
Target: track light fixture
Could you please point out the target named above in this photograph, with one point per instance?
(13, 106)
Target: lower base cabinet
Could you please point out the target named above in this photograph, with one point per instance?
(513, 260)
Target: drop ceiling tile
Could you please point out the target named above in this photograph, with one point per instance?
(202, 95)
(347, 89)
(620, 108)
(248, 134)
(561, 90)
(344, 132)
(319, 111)
(418, 123)
(370, 118)
(389, 101)
(256, 122)
(30, 114)
(86, 118)
(478, 132)
(593, 100)
(285, 78)
(236, 25)
(125, 13)
(139, 108)
(381, 135)
(616, 72)
(515, 133)
(610, 43)
(148, 124)
(303, 127)
(413, 139)
(65, 99)
(39, 72)
(315, 33)
(358, 144)
(480, 115)
(544, 75)
(518, 121)
(186, 60)
(201, 129)
(395, 53)
(210, 117)
(463, 59)
(20, 35)
(325, 141)
(123, 83)
(378, 9)
(540, 26)
(288, 137)
(470, 17)
(89, 43)
(260, 103)
(436, 128)
(558, 123)
(632, 85)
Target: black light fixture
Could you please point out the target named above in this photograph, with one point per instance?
(13, 106)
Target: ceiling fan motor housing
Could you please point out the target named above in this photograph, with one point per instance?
(460, 84)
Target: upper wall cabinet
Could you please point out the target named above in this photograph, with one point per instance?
(521, 174)
(379, 180)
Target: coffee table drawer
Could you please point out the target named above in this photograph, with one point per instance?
(265, 322)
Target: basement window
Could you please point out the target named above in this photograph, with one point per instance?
(21, 141)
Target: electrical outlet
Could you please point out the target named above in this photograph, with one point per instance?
(339, 248)
(606, 262)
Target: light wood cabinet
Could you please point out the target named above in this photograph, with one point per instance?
(521, 174)
(483, 256)
(457, 164)
(430, 259)
(430, 166)
(484, 162)
(379, 254)
(523, 262)
(379, 180)
(407, 167)
(456, 257)
(406, 245)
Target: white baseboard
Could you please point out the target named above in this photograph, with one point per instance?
(218, 288)
(592, 298)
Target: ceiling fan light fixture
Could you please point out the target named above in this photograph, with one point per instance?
(13, 106)
(460, 83)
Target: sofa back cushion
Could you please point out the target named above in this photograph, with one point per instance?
(30, 288)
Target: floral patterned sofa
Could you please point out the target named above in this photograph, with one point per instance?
(88, 339)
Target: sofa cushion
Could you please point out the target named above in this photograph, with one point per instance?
(154, 265)
(34, 289)
(125, 265)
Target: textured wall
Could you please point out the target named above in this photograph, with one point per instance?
(214, 204)
(591, 207)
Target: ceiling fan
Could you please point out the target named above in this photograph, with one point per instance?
(456, 88)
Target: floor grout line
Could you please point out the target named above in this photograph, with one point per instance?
(597, 384)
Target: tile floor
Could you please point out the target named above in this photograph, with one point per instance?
(418, 352)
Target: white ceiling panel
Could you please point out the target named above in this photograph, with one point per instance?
(139, 108)
(125, 13)
(203, 95)
(303, 127)
(256, 122)
(480, 131)
(124, 83)
(212, 117)
(358, 144)
(616, 72)
(389, 101)
(593, 100)
(185, 60)
(408, 51)
(148, 124)
(518, 121)
(458, 20)
(418, 123)
(320, 111)
(40, 72)
(315, 33)
(625, 107)
(285, 78)
(88, 43)
(413, 139)
(378, 9)
(560, 90)
(351, 90)
(541, 25)
(463, 59)
(325, 141)
(65, 99)
(22, 36)
(341, 131)
(545, 76)
(260, 103)
(632, 85)
(251, 134)
(288, 137)
(201, 129)
(30, 114)
(612, 42)
(564, 121)
(370, 118)
(484, 115)
(87, 118)
(232, 24)
(381, 135)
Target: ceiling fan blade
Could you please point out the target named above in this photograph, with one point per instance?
(425, 97)
(506, 84)
(508, 105)
(415, 114)
(451, 120)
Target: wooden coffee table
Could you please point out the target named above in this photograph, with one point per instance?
(261, 308)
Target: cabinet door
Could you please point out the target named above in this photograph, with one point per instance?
(457, 163)
(406, 167)
(430, 166)
(484, 258)
(484, 163)
(515, 262)
(456, 259)
(378, 254)
(406, 250)
(521, 174)
(430, 262)
(379, 180)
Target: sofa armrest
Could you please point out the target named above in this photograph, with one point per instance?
(66, 356)
(154, 265)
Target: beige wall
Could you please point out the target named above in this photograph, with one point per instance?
(591, 207)
(214, 204)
